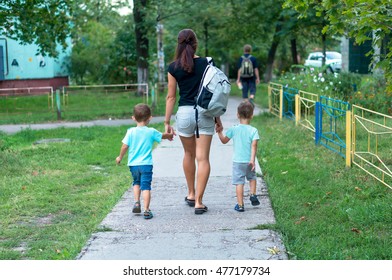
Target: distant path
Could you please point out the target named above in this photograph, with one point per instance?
(14, 128)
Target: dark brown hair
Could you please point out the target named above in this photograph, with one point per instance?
(141, 112)
(186, 49)
(245, 110)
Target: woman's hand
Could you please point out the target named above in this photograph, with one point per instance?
(169, 129)
(218, 125)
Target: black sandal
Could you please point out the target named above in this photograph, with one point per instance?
(190, 202)
(201, 210)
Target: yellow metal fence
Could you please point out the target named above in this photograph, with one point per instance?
(371, 146)
(368, 133)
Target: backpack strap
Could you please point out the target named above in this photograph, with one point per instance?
(197, 118)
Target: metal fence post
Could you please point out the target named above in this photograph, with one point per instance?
(269, 98)
(58, 102)
(348, 138)
(318, 123)
(297, 109)
(281, 103)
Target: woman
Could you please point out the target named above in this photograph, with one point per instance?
(187, 71)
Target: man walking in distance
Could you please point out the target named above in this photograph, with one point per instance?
(248, 74)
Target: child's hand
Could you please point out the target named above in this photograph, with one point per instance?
(118, 160)
(252, 164)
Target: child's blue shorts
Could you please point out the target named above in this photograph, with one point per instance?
(142, 176)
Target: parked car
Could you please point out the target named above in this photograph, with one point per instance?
(333, 61)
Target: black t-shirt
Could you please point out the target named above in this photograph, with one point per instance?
(188, 83)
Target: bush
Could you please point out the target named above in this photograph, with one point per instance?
(316, 80)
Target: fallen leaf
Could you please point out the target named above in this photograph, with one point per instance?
(328, 193)
(356, 230)
(58, 251)
(24, 188)
(35, 173)
(358, 189)
(303, 218)
(274, 251)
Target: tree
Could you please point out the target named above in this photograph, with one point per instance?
(361, 20)
(91, 54)
(45, 23)
(142, 42)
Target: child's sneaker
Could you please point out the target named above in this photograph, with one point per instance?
(254, 200)
(148, 214)
(239, 208)
(136, 207)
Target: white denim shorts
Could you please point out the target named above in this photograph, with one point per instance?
(186, 122)
(242, 171)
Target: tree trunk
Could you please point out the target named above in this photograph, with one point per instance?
(206, 37)
(294, 53)
(272, 52)
(139, 15)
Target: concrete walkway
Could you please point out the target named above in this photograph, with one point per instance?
(175, 232)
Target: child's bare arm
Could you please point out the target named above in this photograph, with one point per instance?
(224, 139)
(124, 149)
(253, 154)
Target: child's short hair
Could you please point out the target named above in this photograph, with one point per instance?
(245, 109)
(247, 48)
(141, 112)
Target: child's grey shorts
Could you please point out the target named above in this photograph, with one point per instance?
(186, 122)
(242, 171)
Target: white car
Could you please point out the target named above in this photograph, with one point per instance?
(333, 61)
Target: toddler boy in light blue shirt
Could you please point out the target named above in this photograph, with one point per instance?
(245, 138)
(139, 142)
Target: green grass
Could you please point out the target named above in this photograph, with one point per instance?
(323, 210)
(53, 196)
(79, 106)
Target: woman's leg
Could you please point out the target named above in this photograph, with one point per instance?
(189, 164)
(203, 145)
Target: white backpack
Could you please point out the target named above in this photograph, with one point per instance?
(213, 94)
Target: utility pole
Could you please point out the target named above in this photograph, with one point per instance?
(161, 58)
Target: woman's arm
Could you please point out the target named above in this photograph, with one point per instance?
(170, 102)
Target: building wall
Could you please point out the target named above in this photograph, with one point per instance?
(22, 66)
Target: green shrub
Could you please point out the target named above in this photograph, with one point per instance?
(315, 80)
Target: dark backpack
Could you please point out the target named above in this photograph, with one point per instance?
(246, 70)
